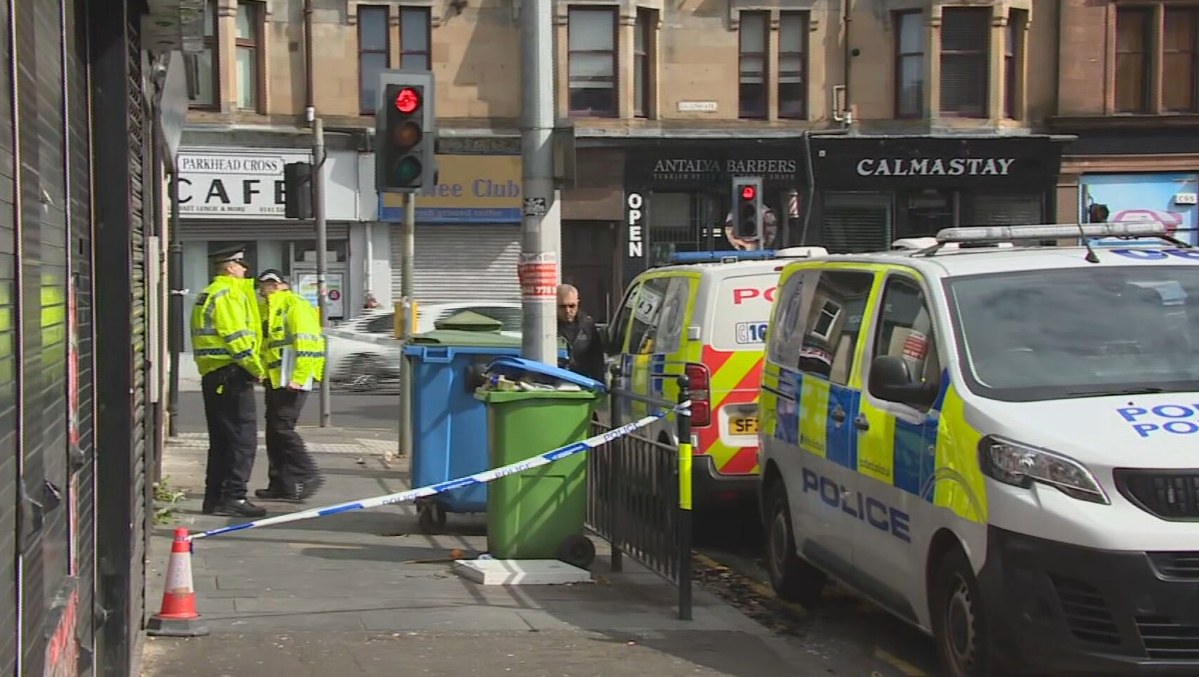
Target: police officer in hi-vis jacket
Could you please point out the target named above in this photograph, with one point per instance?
(226, 337)
(293, 352)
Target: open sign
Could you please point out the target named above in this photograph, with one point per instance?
(746, 293)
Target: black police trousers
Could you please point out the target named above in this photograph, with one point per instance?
(232, 433)
(289, 459)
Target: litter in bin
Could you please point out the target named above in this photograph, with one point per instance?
(521, 374)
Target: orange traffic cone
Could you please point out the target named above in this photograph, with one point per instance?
(178, 616)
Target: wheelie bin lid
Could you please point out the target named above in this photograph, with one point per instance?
(516, 366)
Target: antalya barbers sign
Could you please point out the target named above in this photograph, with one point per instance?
(690, 164)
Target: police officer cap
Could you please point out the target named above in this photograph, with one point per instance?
(271, 275)
(237, 253)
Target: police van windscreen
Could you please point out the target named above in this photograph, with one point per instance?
(742, 310)
(1078, 332)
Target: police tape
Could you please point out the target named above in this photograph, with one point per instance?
(448, 485)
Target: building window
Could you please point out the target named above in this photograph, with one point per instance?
(1013, 58)
(1132, 59)
(249, 56)
(1178, 59)
(203, 66)
(647, 20)
(965, 42)
(591, 57)
(752, 69)
(793, 65)
(415, 37)
(374, 55)
(909, 64)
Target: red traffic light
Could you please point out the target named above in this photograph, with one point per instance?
(748, 192)
(407, 101)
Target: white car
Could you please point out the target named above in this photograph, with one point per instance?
(364, 351)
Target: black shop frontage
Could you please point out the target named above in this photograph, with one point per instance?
(678, 194)
(869, 191)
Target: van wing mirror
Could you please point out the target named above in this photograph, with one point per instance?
(891, 379)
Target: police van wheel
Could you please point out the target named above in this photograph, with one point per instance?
(792, 578)
(959, 624)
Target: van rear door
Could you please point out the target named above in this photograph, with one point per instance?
(733, 352)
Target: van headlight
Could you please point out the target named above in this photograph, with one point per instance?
(1020, 465)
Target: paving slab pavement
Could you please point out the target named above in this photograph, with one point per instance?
(349, 595)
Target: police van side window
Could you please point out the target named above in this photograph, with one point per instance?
(646, 313)
(785, 331)
(905, 329)
(833, 323)
(620, 326)
(669, 335)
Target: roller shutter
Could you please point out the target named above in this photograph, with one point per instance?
(201, 230)
(460, 263)
(1002, 210)
(855, 222)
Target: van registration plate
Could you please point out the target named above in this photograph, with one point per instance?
(743, 425)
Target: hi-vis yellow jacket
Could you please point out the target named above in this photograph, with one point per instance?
(294, 349)
(226, 327)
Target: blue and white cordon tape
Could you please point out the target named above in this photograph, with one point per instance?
(478, 478)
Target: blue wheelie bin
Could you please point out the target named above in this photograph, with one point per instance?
(449, 426)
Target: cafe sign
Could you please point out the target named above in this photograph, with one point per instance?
(234, 185)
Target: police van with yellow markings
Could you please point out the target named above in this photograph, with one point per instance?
(704, 316)
(997, 444)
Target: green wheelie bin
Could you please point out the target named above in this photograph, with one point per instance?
(538, 513)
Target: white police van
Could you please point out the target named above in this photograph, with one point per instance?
(999, 445)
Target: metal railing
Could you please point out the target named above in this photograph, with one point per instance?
(639, 495)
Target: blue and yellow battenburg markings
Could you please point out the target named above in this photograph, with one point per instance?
(933, 460)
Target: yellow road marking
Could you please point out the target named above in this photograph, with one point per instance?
(899, 664)
(758, 587)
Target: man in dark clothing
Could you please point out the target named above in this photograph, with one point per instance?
(584, 346)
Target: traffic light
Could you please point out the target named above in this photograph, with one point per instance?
(747, 208)
(405, 136)
(297, 190)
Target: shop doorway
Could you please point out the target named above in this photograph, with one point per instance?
(589, 262)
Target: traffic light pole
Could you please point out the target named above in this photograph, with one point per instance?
(541, 229)
(322, 255)
(407, 265)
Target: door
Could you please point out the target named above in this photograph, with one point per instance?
(828, 404)
(897, 444)
(618, 349)
(642, 339)
(588, 250)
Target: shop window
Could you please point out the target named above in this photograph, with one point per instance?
(688, 221)
(250, 16)
(793, 65)
(304, 251)
(965, 44)
(1013, 60)
(1132, 59)
(374, 54)
(857, 222)
(923, 213)
(591, 59)
(203, 67)
(752, 68)
(415, 38)
(909, 64)
(1001, 209)
(643, 41)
